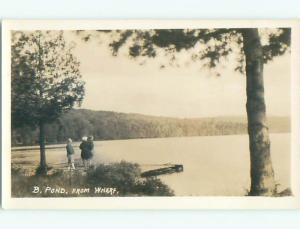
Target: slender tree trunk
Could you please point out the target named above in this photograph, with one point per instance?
(261, 170)
(43, 165)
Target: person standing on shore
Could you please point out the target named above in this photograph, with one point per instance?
(70, 154)
(87, 151)
(90, 150)
(84, 152)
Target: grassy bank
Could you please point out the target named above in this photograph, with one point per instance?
(118, 179)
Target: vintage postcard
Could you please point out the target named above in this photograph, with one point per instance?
(150, 114)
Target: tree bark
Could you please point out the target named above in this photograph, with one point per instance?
(261, 170)
(43, 164)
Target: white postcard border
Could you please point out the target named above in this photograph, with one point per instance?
(149, 202)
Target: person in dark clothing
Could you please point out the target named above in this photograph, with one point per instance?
(83, 148)
(90, 146)
(70, 154)
(87, 151)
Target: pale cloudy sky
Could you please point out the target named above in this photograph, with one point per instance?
(121, 84)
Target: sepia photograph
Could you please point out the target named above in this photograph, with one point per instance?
(177, 110)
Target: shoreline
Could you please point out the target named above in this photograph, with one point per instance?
(62, 145)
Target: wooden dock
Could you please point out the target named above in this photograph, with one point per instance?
(164, 170)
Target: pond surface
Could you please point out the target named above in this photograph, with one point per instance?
(213, 165)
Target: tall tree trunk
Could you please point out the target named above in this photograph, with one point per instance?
(43, 164)
(261, 170)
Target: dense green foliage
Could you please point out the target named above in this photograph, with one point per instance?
(104, 125)
(124, 177)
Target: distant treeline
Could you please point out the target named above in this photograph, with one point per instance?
(106, 125)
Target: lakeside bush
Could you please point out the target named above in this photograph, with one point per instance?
(117, 179)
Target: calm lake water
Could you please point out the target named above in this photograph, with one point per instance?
(214, 165)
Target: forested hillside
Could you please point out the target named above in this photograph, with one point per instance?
(106, 125)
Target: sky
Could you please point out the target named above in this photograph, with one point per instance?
(121, 84)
